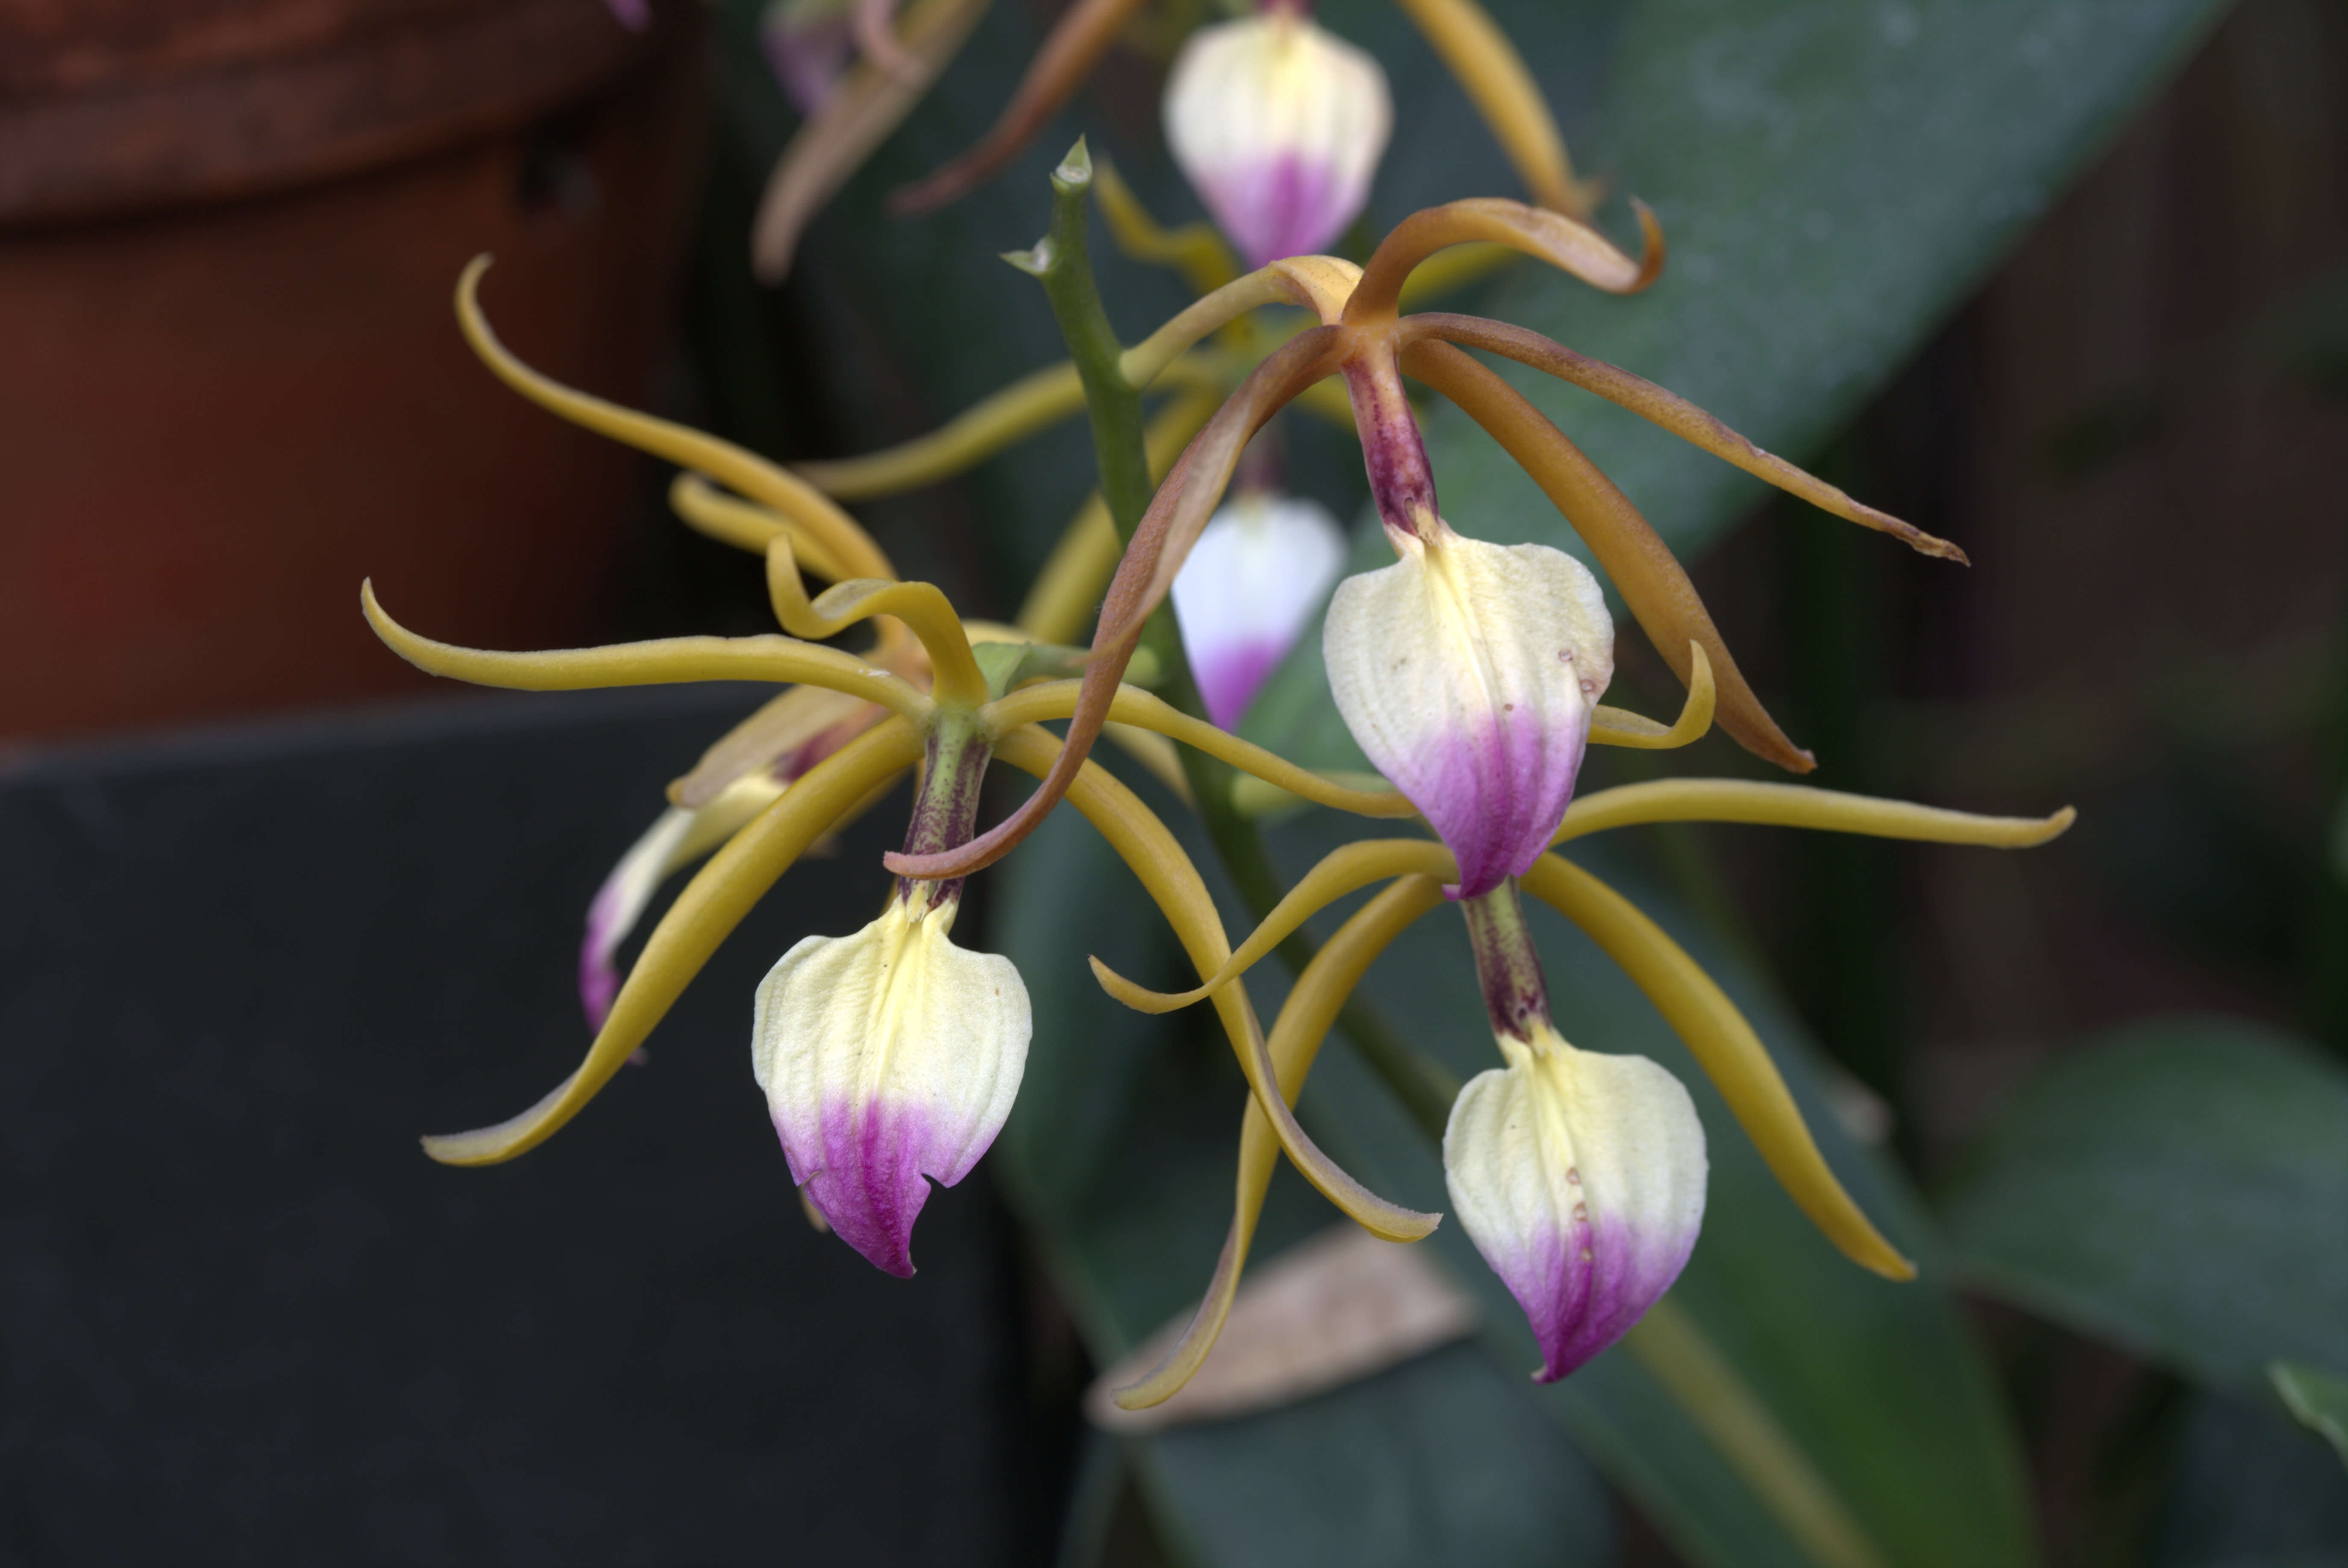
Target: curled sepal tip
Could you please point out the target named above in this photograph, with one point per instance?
(1616, 726)
(1565, 242)
(1467, 671)
(1581, 1178)
(888, 1057)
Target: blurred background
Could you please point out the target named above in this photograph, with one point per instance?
(2066, 283)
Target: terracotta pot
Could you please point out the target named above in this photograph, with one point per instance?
(233, 384)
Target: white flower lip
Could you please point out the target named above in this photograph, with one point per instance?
(1467, 671)
(1581, 1178)
(1258, 572)
(888, 1056)
(1279, 124)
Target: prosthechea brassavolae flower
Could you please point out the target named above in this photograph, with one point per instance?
(1492, 782)
(1275, 121)
(1471, 673)
(1501, 1197)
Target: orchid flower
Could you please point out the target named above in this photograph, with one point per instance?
(1579, 1175)
(890, 1054)
(1471, 674)
(1509, 643)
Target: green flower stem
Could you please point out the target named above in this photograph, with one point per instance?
(1062, 262)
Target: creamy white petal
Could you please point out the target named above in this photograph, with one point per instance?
(1280, 125)
(1259, 571)
(886, 1056)
(1467, 671)
(1581, 1178)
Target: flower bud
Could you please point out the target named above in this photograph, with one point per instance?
(1467, 671)
(1581, 1178)
(1280, 125)
(1259, 571)
(888, 1056)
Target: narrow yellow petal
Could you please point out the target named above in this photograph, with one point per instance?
(1195, 250)
(1638, 562)
(1177, 514)
(753, 476)
(1034, 402)
(954, 673)
(666, 662)
(1724, 1044)
(1296, 1037)
(1456, 268)
(704, 915)
(1801, 806)
(1670, 411)
(1156, 754)
(1318, 283)
(1563, 242)
(1499, 84)
(1173, 883)
(804, 722)
(1614, 726)
(1144, 710)
(747, 525)
(1340, 872)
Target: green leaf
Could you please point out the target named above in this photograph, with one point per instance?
(1120, 1155)
(2318, 1399)
(2178, 1188)
(1833, 179)
(1440, 1459)
(1879, 1388)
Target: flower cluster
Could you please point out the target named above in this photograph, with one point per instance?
(1278, 123)
(1472, 674)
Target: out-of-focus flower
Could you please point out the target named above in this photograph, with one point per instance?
(1460, 31)
(1261, 567)
(1280, 125)
(807, 45)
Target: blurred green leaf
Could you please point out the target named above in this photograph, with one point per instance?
(1880, 1389)
(2178, 1188)
(1833, 179)
(2318, 1399)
